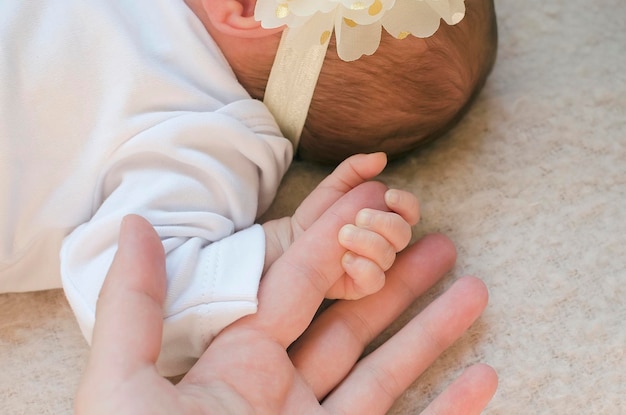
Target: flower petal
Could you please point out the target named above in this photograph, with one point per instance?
(354, 40)
(316, 30)
(356, 4)
(411, 17)
(457, 12)
(310, 7)
(370, 13)
(272, 14)
(452, 11)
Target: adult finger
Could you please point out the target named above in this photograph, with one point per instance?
(129, 314)
(468, 395)
(328, 350)
(349, 174)
(382, 376)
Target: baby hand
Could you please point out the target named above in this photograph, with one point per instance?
(372, 243)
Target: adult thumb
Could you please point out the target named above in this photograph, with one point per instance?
(129, 314)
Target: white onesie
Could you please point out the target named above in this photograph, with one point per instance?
(111, 107)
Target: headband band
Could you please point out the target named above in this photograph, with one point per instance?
(358, 28)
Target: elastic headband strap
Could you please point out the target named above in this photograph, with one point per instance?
(292, 81)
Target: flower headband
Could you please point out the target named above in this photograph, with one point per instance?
(357, 25)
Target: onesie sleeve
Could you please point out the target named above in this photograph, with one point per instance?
(201, 180)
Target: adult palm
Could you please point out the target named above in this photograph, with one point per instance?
(276, 361)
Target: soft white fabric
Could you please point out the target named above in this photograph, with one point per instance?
(116, 107)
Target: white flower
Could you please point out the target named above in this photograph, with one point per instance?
(357, 23)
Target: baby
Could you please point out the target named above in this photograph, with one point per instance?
(115, 107)
(407, 93)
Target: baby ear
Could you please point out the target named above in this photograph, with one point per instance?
(235, 18)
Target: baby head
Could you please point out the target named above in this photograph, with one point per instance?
(408, 92)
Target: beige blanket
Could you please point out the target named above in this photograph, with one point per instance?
(532, 188)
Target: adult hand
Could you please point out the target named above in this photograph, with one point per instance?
(247, 368)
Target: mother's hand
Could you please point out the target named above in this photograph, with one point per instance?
(247, 368)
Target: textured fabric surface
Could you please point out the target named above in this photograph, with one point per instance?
(531, 186)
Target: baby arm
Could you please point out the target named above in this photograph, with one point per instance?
(371, 240)
(202, 195)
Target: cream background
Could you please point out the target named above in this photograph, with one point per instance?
(532, 188)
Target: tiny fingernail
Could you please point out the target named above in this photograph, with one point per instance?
(347, 233)
(392, 197)
(364, 218)
(348, 258)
